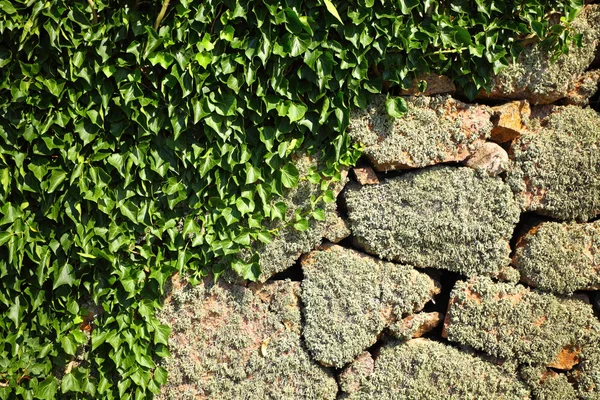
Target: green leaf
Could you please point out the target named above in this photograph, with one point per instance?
(301, 225)
(47, 389)
(160, 375)
(396, 106)
(56, 178)
(331, 8)
(7, 7)
(161, 334)
(64, 276)
(70, 383)
(289, 175)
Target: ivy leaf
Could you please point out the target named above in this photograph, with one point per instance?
(47, 389)
(301, 225)
(64, 276)
(333, 10)
(70, 383)
(161, 334)
(289, 176)
(395, 106)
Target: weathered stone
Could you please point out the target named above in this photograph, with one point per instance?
(537, 78)
(547, 384)
(490, 158)
(365, 176)
(436, 84)
(286, 247)
(337, 229)
(583, 89)
(513, 322)
(349, 298)
(509, 120)
(416, 325)
(233, 342)
(453, 218)
(586, 375)
(354, 374)
(427, 370)
(560, 257)
(434, 130)
(556, 165)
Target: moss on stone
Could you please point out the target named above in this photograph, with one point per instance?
(432, 131)
(422, 369)
(556, 170)
(350, 297)
(561, 257)
(512, 322)
(445, 217)
(586, 375)
(546, 384)
(233, 342)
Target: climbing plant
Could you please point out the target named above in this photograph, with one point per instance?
(140, 138)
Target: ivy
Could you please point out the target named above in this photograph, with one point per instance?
(139, 139)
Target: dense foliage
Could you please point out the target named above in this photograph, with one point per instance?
(138, 139)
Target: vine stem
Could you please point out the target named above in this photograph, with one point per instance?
(94, 13)
(161, 14)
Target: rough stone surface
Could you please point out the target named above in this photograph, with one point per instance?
(349, 298)
(354, 374)
(536, 78)
(453, 218)
(490, 158)
(560, 257)
(285, 248)
(583, 89)
(415, 326)
(427, 370)
(547, 384)
(509, 120)
(434, 130)
(556, 166)
(436, 84)
(365, 176)
(233, 342)
(513, 322)
(337, 228)
(586, 375)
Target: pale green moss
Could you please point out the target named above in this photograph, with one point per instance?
(512, 322)
(430, 132)
(560, 257)
(232, 342)
(346, 295)
(445, 217)
(557, 166)
(586, 375)
(425, 370)
(547, 385)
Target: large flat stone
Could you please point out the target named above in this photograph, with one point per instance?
(441, 217)
(349, 298)
(235, 342)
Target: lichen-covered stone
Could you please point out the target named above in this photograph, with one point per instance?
(444, 217)
(416, 325)
(365, 176)
(560, 257)
(537, 78)
(337, 228)
(427, 370)
(352, 377)
(583, 89)
(490, 158)
(586, 375)
(513, 322)
(349, 298)
(434, 130)
(509, 120)
(547, 384)
(556, 165)
(235, 342)
(289, 244)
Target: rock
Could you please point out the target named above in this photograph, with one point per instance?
(547, 384)
(354, 374)
(285, 248)
(365, 176)
(509, 120)
(349, 298)
(337, 229)
(586, 375)
(536, 78)
(513, 322)
(415, 326)
(560, 257)
(444, 217)
(583, 89)
(235, 342)
(490, 158)
(435, 84)
(434, 130)
(555, 169)
(427, 370)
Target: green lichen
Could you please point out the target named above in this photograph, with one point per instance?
(558, 165)
(233, 342)
(586, 375)
(422, 369)
(349, 298)
(546, 384)
(560, 257)
(512, 322)
(406, 329)
(445, 217)
(537, 78)
(430, 132)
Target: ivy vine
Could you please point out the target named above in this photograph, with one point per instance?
(140, 138)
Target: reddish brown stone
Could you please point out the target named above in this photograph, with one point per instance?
(509, 120)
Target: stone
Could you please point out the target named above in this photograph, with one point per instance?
(514, 322)
(490, 157)
(235, 342)
(427, 370)
(435, 84)
(434, 130)
(533, 76)
(547, 384)
(583, 89)
(555, 165)
(365, 176)
(355, 373)
(337, 228)
(446, 217)
(416, 325)
(560, 257)
(586, 375)
(509, 120)
(349, 298)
